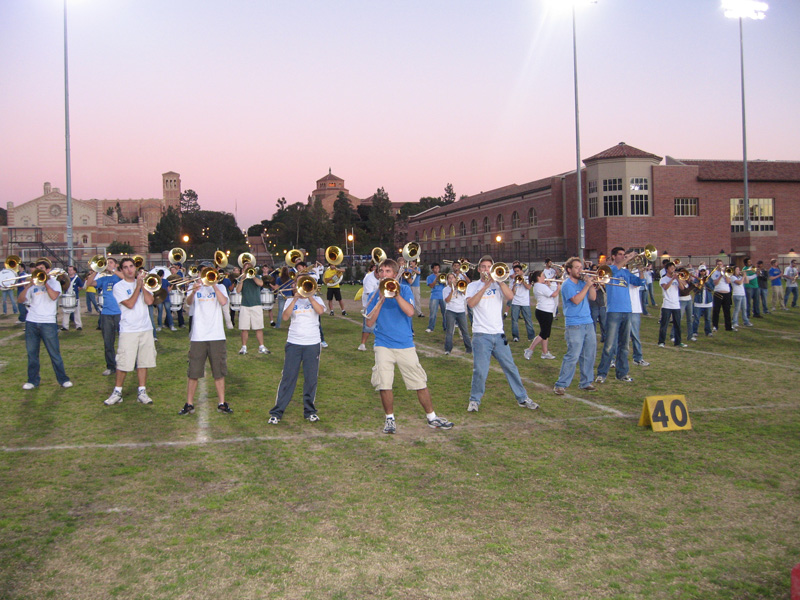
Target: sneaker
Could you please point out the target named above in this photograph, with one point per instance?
(682, 345)
(389, 426)
(158, 328)
(559, 391)
(243, 350)
(528, 353)
(114, 398)
(748, 324)
(224, 408)
(528, 403)
(589, 388)
(107, 372)
(661, 345)
(429, 331)
(447, 354)
(324, 344)
(515, 339)
(473, 406)
(672, 339)
(272, 323)
(547, 356)
(274, 420)
(144, 398)
(693, 338)
(188, 409)
(641, 363)
(505, 315)
(421, 316)
(362, 347)
(79, 329)
(613, 364)
(263, 350)
(626, 379)
(344, 313)
(600, 379)
(440, 423)
(66, 384)
(331, 313)
(173, 328)
(28, 386)
(313, 418)
(63, 328)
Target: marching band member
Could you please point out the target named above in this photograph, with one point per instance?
(686, 300)
(545, 310)
(267, 278)
(334, 289)
(177, 272)
(283, 291)
(436, 299)
(40, 326)
(722, 296)
(137, 348)
(776, 284)
(111, 314)
(75, 284)
(670, 305)
(578, 329)
(637, 310)
(739, 298)
(251, 315)
(486, 298)
(207, 341)
(370, 285)
(703, 303)
(315, 272)
(763, 286)
(302, 347)
(394, 345)
(6, 275)
(414, 268)
(521, 304)
(751, 289)
(456, 313)
(790, 275)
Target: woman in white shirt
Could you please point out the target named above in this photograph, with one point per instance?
(455, 313)
(545, 310)
(739, 298)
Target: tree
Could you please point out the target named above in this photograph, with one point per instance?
(449, 195)
(119, 248)
(381, 219)
(344, 215)
(319, 230)
(189, 203)
(167, 231)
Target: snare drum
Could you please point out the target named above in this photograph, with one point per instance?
(176, 298)
(267, 299)
(68, 303)
(235, 301)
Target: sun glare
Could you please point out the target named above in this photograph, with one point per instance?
(744, 9)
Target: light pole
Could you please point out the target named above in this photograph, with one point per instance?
(66, 133)
(744, 9)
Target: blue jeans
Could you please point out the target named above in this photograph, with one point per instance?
(704, 312)
(636, 323)
(166, 305)
(581, 347)
(687, 308)
(8, 295)
(295, 355)
(450, 320)
(526, 316)
(484, 346)
(763, 293)
(91, 300)
(434, 306)
(599, 316)
(793, 292)
(618, 332)
(35, 333)
(752, 301)
(281, 303)
(738, 306)
(650, 292)
(643, 300)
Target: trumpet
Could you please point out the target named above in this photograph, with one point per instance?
(464, 264)
(177, 256)
(246, 257)
(152, 283)
(684, 275)
(409, 276)
(411, 251)
(334, 255)
(12, 263)
(519, 279)
(378, 255)
(388, 287)
(441, 279)
(676, 262)
(293, 257)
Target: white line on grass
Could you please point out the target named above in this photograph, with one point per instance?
(202, 407)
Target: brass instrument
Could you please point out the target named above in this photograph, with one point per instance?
(378, 255)
(333, 279)
(138, 261)
(519, 279)
(641, 260)
(461, 286)
(246, 257)
(676, 262)
(306, 286)
(177, 256)
(152, 283)
(250, 273)
(98, 263)
(334, 255)
(409, 276)
(464, 264)
(684, 275)
(605, 276)
(193, 271)
(411, 251)
(441, 279)
(12, 263)
(293, 257)
(728, 271)
(38, 276)
(220, 259)
(388, 287)
(499, 271)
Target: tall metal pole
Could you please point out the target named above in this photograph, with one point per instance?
(744, 133)
(581, 233)
(66, 130)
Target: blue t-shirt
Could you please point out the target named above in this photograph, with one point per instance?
(618, 298)
(436, 291)
(576, 314)
(775, 282)
(393, 327)
(415, 281)
(105, 285)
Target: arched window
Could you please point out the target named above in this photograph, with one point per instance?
(84, 220)
(441, 232)
(85, 239)
(452, 231)
(473, 227)
(433, 233)
(462, 229)
(515, 220)
(424, 235)
(486, 227)
(533, 220)
(500, 223)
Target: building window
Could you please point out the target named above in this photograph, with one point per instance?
(686, 207)
(640, 205)
(592, 186)
(24, 222)
(473, 227)
(462, 229)
(515, 220)
(533, 220)
(612, 205)
(639, 184)
(500, 223)
(433, 233)
(486, 227)
(592, 206)
(85, 239)
(441, 232)
(452, 231)
(84, 220)
(424, 235)
(612, 185)
(761, 214)
(476, 250)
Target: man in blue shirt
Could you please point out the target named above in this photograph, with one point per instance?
(437, 299)
(618, 317)
(110, 315)
(579, 329)
(390, 314)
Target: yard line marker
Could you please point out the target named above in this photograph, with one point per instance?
(202, 407)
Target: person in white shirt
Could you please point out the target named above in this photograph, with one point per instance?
(790, 275)
(370, 284)
(456, 313)
(136, 348)
(671, 285)
(637, 310)
(40, 325)
(521, 304)
(546, 295)
(739, 297)
(722, 296)
(486, 298)
(207, 341)
(7, 277)
(303, 347)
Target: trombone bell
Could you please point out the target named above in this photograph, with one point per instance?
(499, 271)
(12, 263)
(388, 287)
(306, 286)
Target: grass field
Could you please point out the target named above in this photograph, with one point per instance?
(574, 500)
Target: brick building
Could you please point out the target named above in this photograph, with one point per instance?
(687, 208)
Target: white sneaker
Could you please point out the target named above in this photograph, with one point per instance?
(528, 353)
(548, 356)
(28, 386)
(263, 350)
(324, 344)
(429, 331)
(362, 347)
(243, 350)
(66, 384)
(173, 328)
(144, 398)
(107, 372)
(473, 406)
(114, 398)
(158, 328)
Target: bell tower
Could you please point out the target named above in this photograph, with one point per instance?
(171, 183)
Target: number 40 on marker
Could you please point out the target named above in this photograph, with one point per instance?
(665, 413)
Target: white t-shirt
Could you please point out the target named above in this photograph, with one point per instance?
(43, 309)
(458, 301)
(636, 299)
(304, 328)
(670, 300)
(370, 285)
(738, 289)
(487, 316)
(7, 274)
(136, 319)
(545, 301)
(720, 285)
(648, 276)
(522, 295)
(790, 272)
(207, 324)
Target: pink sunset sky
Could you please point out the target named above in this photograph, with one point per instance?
(253, 100)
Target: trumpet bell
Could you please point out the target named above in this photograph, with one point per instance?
(220, 259)
(378, 255)
(209, 276)
(441, 279)
(306, 286)
(334, 255)
(388, 287)
(461, 286)
(12, 263)
(246, 257)
(176, 256)
(411, 251)
(650, 252)
(499, 271)
(293, 257)
(152, 283)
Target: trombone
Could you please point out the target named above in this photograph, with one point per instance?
(640, 260)
(499, 271)
(605, 276)
(306, 286)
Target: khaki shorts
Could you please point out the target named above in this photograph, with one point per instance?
(251, 317)
(136, 350)
(216, 351)
(406, 359)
